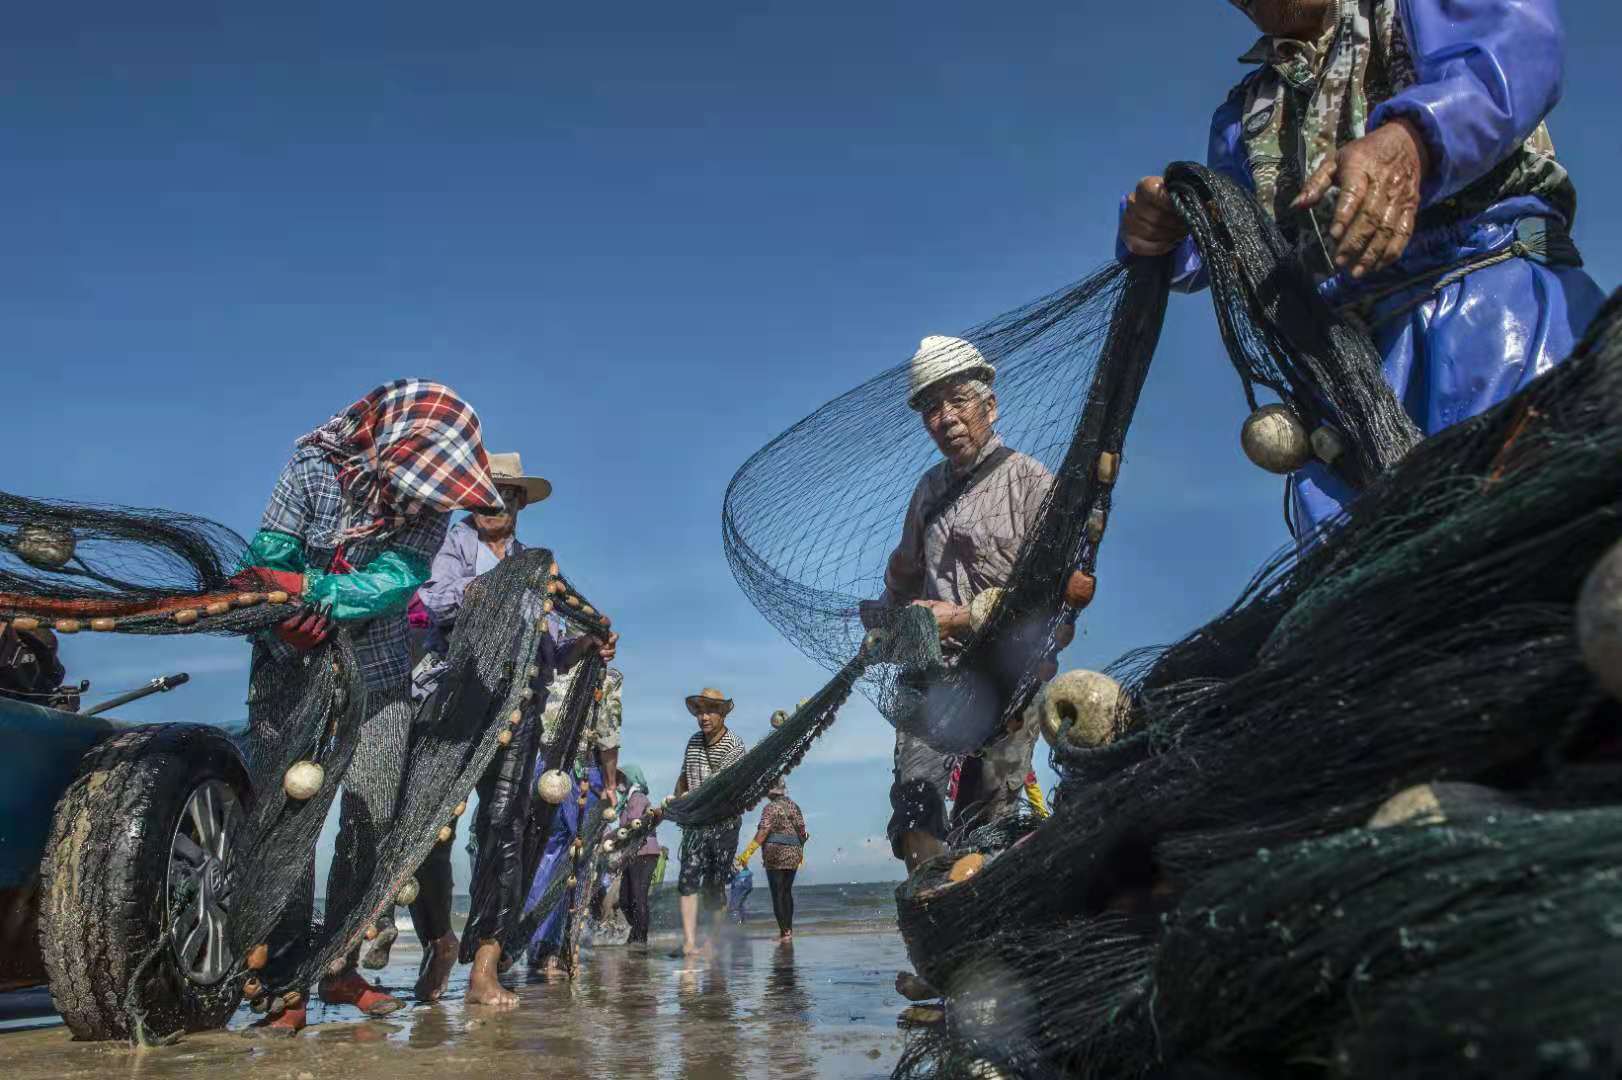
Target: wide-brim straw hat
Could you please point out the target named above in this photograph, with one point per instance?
(508, 469)
(709, 696)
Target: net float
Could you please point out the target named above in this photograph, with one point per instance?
(408, 892)
(553, 786)
(371, 933)
(249, 599)
(276, 596)
(445, 834)
(966, 867)
(44, 547)
(597, 694)
(1327, 444)
(572, 600)
(571, 881)
(516, 718)
(611, 814)
(1417, 805)
(779, 718)
(1096, 520)
(25, 623)
(103, 624)
(186, 617)
(1274, 439)
(252, 987)
(983, 607)
(219, 607)
(67, 626)
(303, 779)
(1079, 589)
(1599, 621)
(1078, 708)
(1108, 466)
(505, 738)
(258, 957)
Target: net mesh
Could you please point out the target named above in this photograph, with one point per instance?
(1429, 634)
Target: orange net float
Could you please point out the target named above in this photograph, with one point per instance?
(48, 608)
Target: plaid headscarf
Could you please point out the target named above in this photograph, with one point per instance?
(407, 447)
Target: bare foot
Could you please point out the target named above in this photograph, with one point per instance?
(437, 963)
(483, 987)
(785, 937)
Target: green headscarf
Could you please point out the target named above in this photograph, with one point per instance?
(635, 776)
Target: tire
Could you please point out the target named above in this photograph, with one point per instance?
(124, 845)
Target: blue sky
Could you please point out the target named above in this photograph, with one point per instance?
(642, 239)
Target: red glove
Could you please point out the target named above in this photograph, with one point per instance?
(260, 578)
(305, 630)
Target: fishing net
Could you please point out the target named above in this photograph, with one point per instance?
(1432, 634)
(810, 521)
(1488, 948)
(98, 569)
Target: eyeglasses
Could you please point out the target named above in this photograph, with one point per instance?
(959, 400)
(510, 495)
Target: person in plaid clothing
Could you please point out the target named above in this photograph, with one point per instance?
(352, 527)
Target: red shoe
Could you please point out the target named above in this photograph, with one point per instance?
(351, 989)
(288, 1022)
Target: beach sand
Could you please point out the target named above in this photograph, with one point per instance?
(823, 1006)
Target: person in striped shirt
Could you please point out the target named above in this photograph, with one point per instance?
(707, 851)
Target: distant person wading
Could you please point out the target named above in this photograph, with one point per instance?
(781, 839)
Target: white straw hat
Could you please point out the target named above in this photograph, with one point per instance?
(940, 358)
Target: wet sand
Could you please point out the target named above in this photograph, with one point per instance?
(823, 1006)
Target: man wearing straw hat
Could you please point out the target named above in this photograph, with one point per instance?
(706, 851)
(473, 547)
(963, 531)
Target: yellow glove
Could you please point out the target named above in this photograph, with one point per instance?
(1033, 792)
(747, 854)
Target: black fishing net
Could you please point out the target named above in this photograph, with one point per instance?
(1482, 948)
(78, 568)
(1431, 635)
(811, 520)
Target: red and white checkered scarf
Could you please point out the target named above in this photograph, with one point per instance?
(408, 447)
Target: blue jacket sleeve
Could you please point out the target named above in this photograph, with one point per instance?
(1489, 72)
(1223, 154)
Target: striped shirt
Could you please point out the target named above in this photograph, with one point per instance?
(701, 761)
(307, 503)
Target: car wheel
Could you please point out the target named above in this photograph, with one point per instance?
(135, 893)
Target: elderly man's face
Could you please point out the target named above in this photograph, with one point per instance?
(960, 420)
(1289, 18)
(494, 525)
(711, 720)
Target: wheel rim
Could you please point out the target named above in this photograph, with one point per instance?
(199, 889)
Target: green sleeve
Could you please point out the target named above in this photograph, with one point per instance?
(381, 587)
(275, 551)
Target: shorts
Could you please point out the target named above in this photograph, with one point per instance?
(992, 784)
(707, 853)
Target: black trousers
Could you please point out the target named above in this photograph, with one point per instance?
(782, 883)
(634, 888)
(499, 824)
